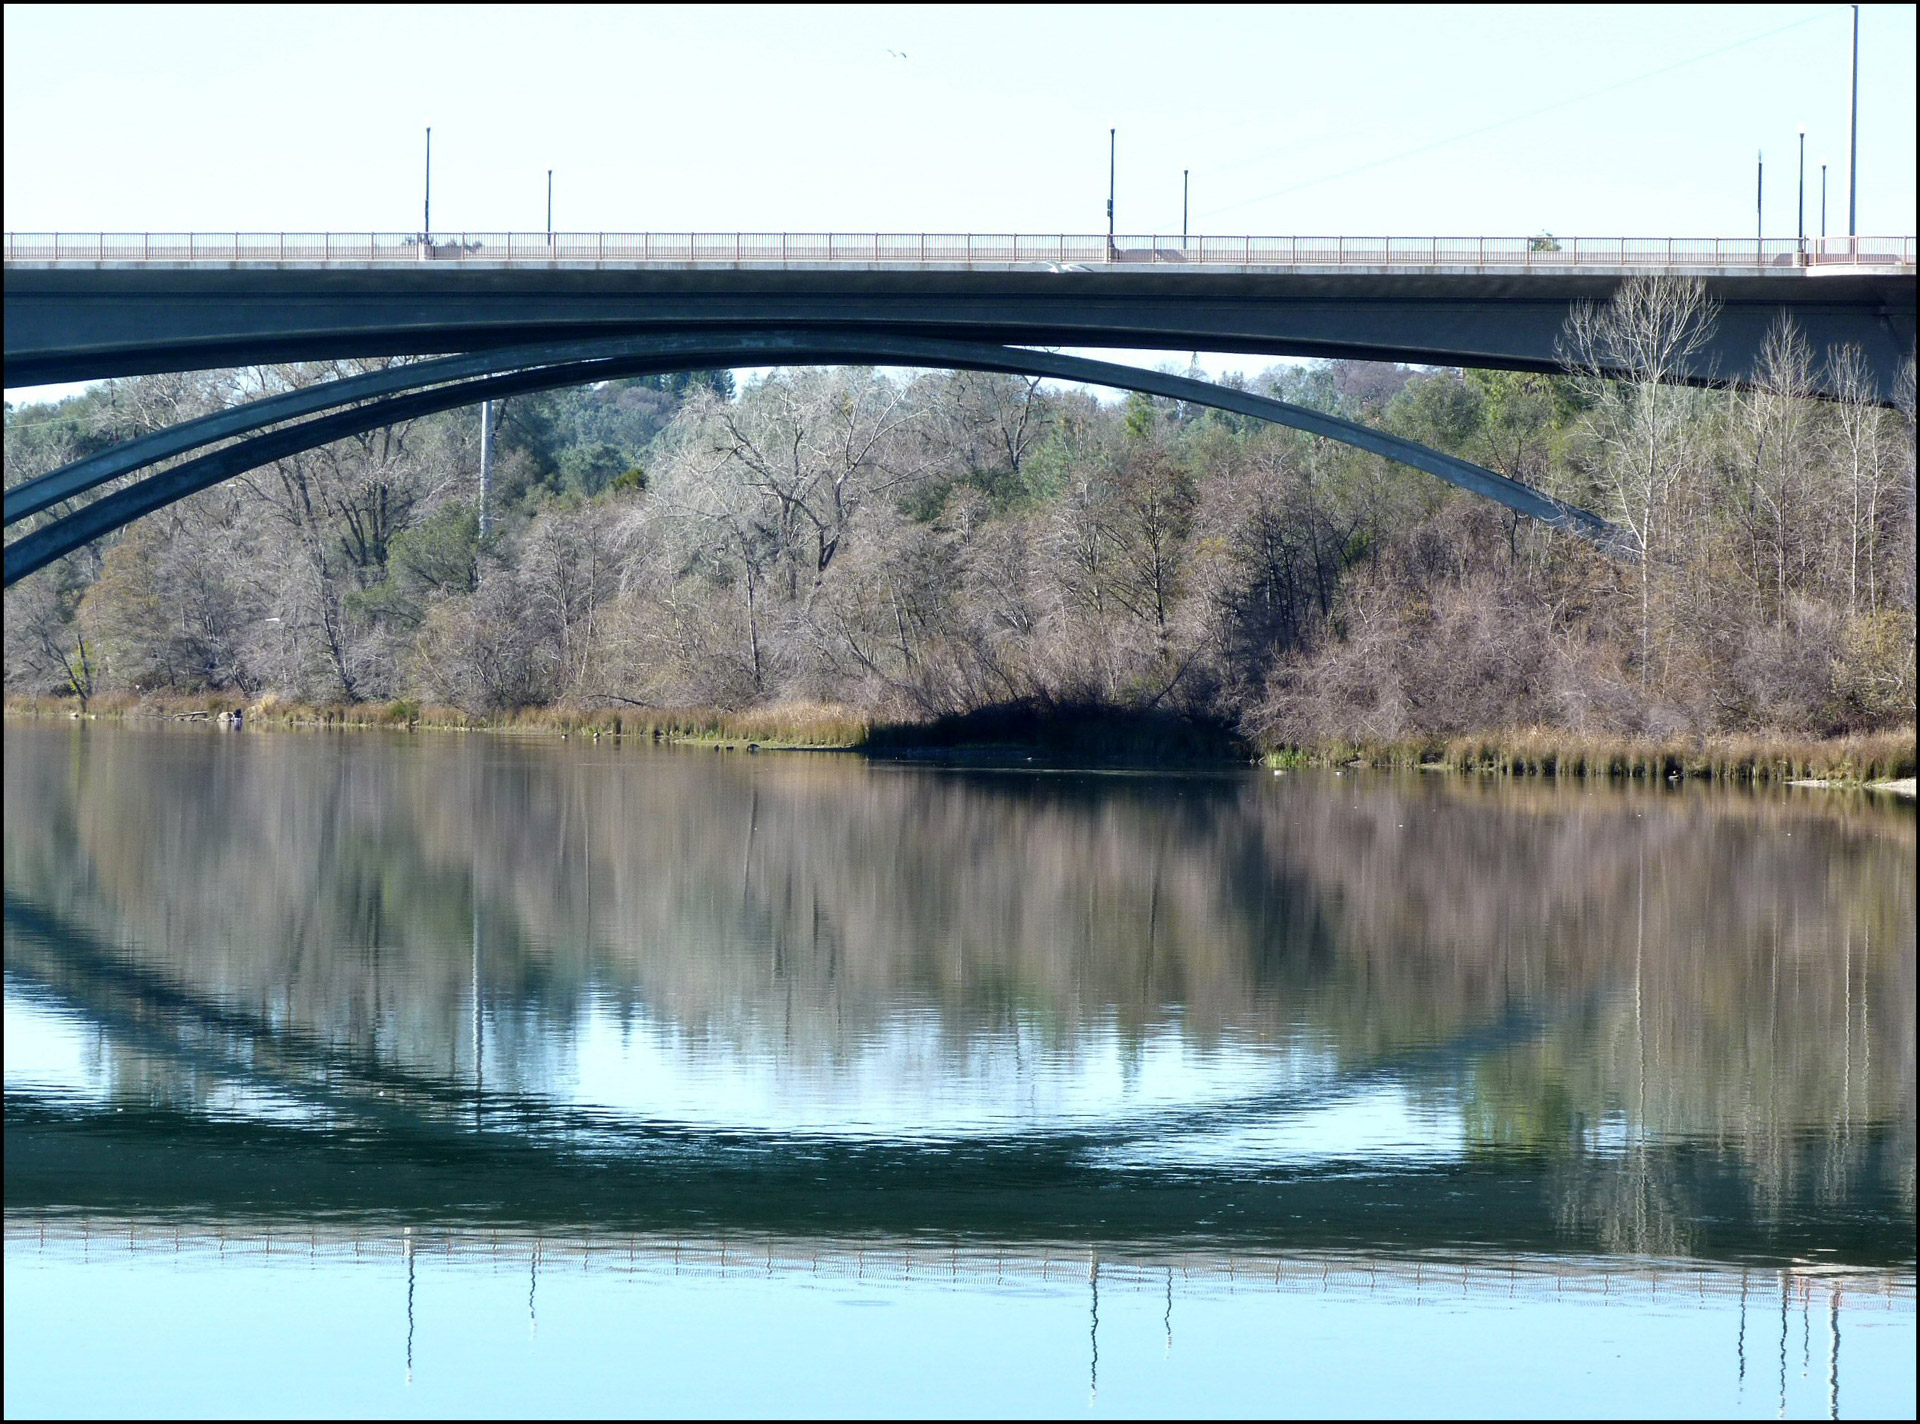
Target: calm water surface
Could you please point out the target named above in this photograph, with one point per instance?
(417, 1075)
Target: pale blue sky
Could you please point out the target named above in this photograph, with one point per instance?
(264, 118)
(1323, 119)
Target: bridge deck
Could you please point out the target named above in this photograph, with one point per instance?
(85, 306)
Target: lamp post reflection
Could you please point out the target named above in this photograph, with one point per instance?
(406, 1247)
(1093, 1333)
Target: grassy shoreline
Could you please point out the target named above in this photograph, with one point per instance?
(1086, 736)
(790, 726)
(1859, 759)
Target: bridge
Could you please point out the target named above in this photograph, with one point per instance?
(537, 311)
(80, 307)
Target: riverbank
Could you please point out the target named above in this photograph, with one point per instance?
(1883, 759)
(1902, 787)
(1081, 736)
(789, 726)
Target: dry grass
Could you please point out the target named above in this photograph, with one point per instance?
(1531, 751)
(786, 724)
(799, 724)
(1536, 751)
(117, 705)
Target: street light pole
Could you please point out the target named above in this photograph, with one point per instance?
(1185, 188)
(426, 211)
(1759, 194)
(1113, 151)
(1801, 239)
(549, 207)
(1823, 200)
(1853, 139)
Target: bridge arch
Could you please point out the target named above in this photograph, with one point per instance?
(406, 392)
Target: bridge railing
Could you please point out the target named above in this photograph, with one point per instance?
(963, 249)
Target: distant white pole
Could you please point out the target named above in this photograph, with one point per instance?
(486, 468)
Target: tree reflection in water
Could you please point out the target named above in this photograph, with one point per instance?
(1647, 1022)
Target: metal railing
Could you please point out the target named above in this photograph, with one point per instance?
(964, 249)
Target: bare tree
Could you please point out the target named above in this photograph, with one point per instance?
(570, 567)
(47, 648)
(1860, 427)
(1773, 419)
(777, 480)
(342, 504)
(1630, 357)
(1154, 501)
(990, 422)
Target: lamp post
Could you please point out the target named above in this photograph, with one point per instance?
(1801, 239)
(1113, 151)
(426, 210)
(1853, 138)
(1185, 189)
(1823, 202)
(549, 207)
(1759, 195)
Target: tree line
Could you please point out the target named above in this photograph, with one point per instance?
(920, 544)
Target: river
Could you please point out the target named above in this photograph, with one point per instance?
(414, 1074)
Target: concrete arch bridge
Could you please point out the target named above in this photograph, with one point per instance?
(565, 309)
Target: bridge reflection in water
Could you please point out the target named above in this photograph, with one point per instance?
(621, 1010)
(1437, 1277)
(454, 1273)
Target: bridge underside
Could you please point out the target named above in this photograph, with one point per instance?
(66, 323)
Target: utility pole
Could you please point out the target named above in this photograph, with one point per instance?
(1853, 139)
(1113, 158)
(426, 212)
(1759, 194)
(486, 468)
(1184, 190)
(549, 207)
(1823, 201)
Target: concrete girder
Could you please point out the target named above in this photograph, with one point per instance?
(68, 323)
(62, 536)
